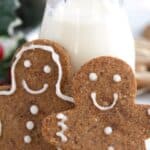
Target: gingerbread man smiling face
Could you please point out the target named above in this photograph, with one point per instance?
(40, 84)
(105, 116)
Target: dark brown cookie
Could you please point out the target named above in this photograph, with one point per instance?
(41, 73)
(105, 116)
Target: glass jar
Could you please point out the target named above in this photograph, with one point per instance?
(89, 29)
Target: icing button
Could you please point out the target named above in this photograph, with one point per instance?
(34, 109)
(117, 78)
(47, 69)
(148, 111)
(27, 139)
(30, 125)
(108, 130)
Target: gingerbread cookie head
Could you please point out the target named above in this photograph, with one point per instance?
(37, 69)
(105, 116)
(41, 77)
(104, 83)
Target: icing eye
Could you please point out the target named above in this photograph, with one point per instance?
(27, 64)
(47, 69)
(117, 78)
(93, 76)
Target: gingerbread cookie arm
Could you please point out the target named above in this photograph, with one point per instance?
(142, 112)
(136, 145)
(54, 128)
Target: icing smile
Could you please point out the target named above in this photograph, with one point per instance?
(35, 92)
(104, 108)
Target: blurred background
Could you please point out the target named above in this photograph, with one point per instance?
(139, 14)
(20, 21)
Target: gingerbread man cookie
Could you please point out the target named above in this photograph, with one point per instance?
(105, 116)
(41, 73)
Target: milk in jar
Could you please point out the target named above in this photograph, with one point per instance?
(89, 29)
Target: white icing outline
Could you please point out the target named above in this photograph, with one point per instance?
(56, 59)
(63, 126)
(34, 92)
(103, 108)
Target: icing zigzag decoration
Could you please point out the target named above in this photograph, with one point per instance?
(63, 126)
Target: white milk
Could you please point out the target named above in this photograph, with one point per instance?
(88, 29)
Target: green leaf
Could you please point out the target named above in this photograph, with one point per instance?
(7, 14)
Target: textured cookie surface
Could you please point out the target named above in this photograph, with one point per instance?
(105, 116)
(41, 73)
